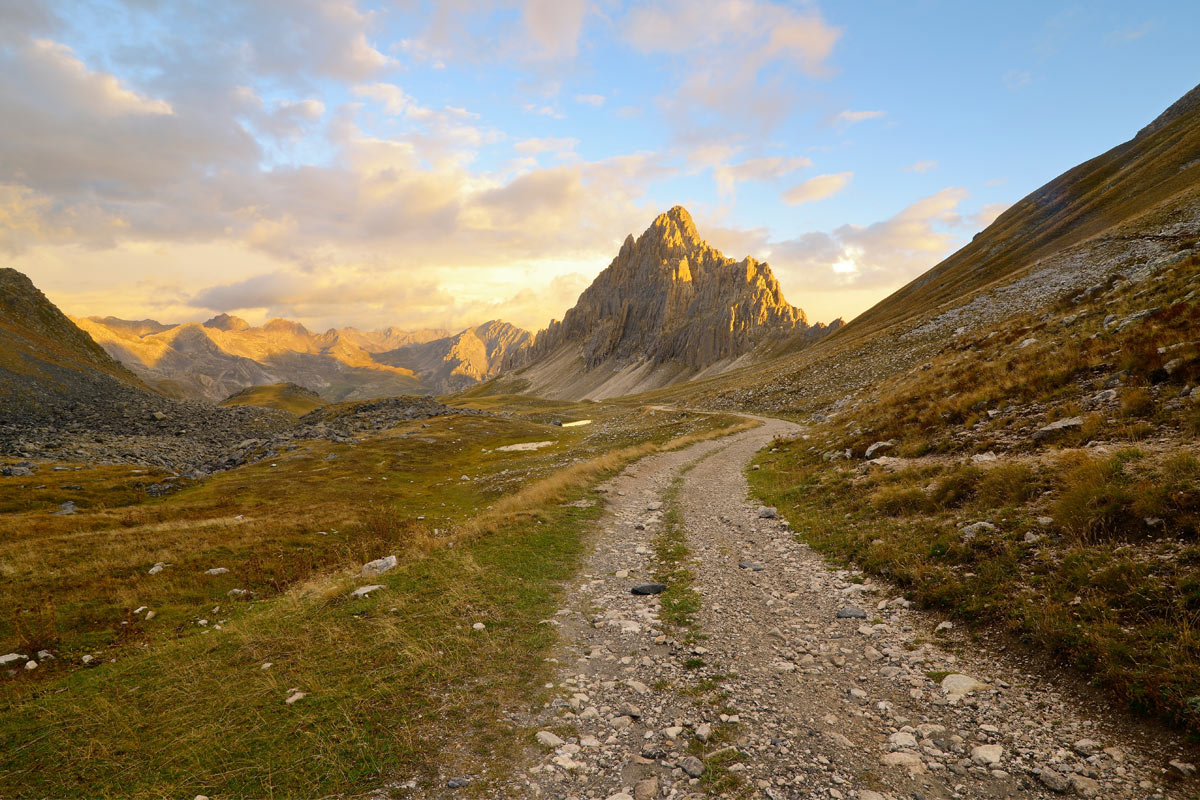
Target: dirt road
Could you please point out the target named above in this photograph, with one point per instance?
(798, 680)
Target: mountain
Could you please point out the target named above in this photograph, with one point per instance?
(1119, 218)
(46, 362)
(218, 358)
(668, 308)
(1140, 184)
(62, 396)
(457, 362)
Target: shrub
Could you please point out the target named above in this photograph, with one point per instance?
(895, 501)
(1008, 484)
(957, 487)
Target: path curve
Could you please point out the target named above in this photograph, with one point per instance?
(794, 702)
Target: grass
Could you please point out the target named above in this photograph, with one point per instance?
(282, 396)
(398, 684)
(680, 602)
(1111, 584)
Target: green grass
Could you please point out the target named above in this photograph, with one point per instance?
(178, 708)
(391, 680)
(680, 601)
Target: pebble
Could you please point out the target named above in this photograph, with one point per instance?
(648, 588)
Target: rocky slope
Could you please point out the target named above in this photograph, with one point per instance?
(63, 396)
(452, 363)
(668, 307)
(1123, 217)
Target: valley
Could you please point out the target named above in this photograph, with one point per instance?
(682, 543)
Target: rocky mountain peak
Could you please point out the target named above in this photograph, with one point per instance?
(673, 231)
(670, 297)
(226, 322)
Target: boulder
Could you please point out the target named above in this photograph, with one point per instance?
(1057, 427)
(379, 566)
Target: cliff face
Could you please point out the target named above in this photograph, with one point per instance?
(458, 362)
(670, 298)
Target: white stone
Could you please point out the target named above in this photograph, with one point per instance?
(548, 739)
(985, 755)
(363, 591)
(378, 566)
(957, 683)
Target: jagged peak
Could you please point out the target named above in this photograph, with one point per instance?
(227, 322)
(279, 325)
(675, 229)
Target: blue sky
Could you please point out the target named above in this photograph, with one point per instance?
(439, 164)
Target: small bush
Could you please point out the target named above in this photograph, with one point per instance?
(956, 488)
(895, 501)
(1008, 484)
(1137, 402)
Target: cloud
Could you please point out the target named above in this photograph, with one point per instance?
(736, 61)
(543, 110)
(1130, 33)
(554, 26)
(1017, 79)
(817, 188)
(594, 100)
(756, 169)
(852, 117)
(921, 167)
(884, 254)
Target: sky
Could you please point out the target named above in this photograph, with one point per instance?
(417, 164)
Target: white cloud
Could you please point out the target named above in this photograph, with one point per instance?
(595, 100)
(738, 59)
(921, 167)
(543, 110)
(851, 117)
(817, 188)
(1017, 79)
(536, 145)
(554, 26)
(756, 169)
(885, 254)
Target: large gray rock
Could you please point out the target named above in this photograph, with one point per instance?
(379, 566)
(1057, 427)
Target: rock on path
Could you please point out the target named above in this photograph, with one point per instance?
(783, 694)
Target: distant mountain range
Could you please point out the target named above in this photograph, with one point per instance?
(218, 358)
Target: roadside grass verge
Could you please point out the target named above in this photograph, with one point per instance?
(680, 607)
(396, 684)
(1095, 559)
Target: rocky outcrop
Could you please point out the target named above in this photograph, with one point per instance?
(668, 307)
(458, 362)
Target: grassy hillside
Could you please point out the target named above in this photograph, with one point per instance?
(1160, 166)
(37, 340)
(191, 671)
(1042, 476)
(283, 396)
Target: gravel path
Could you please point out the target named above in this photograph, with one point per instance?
(799, 680)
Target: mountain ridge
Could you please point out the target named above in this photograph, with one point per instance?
(217, 358)
(667, 300)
